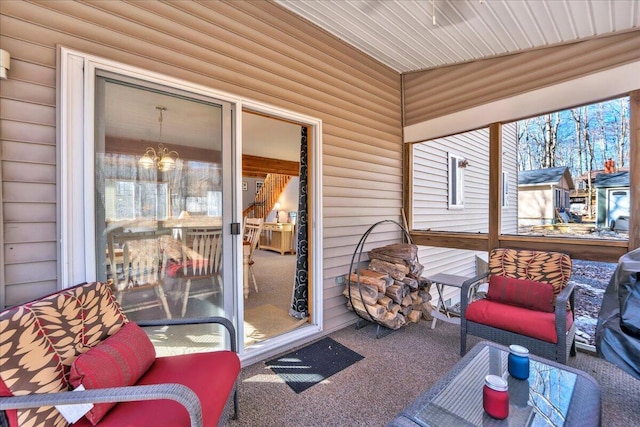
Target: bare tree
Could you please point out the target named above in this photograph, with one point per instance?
(549, 138)
(579, 143)
(621, 130)
(581, 117)
(527, 146)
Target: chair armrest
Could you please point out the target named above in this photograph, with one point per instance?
(566, 294)
(466, 288)
(196, 321)
(466, 285)
(178, 392)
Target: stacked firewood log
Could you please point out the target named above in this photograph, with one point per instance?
(390, 290)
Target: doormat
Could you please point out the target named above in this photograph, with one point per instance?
(312, 364)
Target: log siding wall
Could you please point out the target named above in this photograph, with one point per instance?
(253, 49)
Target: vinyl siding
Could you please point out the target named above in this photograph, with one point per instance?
(536, 205)
(430, 183)
(430, 200)
(253, 49)
(445, 90)
(430, 207)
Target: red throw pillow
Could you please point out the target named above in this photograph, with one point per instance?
(119, 360)
(521, 292)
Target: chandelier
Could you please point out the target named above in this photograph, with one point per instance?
(163, 159)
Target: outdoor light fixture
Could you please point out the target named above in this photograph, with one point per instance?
(162, 158)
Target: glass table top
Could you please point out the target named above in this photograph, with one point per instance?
(542, 400)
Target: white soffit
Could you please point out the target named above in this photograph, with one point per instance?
(401, 34)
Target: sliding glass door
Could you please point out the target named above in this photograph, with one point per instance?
(162, 198)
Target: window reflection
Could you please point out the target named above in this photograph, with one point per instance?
(147, 214)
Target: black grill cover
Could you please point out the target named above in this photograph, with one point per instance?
(618, 328)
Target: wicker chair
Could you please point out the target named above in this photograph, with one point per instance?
(533, 267)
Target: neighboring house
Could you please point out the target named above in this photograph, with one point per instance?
(613, 200)
(583, 198)
(542, 193)
(239, 56)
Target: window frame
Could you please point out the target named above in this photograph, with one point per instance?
(455, 187)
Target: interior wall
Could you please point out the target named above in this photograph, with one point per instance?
(256, 50)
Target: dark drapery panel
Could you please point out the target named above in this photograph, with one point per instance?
(300, 299)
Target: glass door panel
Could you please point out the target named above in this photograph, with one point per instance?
(159, 200)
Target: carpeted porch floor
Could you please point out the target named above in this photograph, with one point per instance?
(395, 370)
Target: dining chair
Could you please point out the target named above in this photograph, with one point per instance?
(137, 263)
(251, 234)
(201, 259)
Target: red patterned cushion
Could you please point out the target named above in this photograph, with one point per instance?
(520, 320)
(521, 292)
(211, 375)
(120, 360)
(40, 340)
(547, 267)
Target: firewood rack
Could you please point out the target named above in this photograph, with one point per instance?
(381, 329)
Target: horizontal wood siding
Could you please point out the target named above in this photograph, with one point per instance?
(253, 49)
(435, 93)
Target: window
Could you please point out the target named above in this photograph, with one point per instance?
(119, 196)
(505, 189)
(558, 198)
(456, 181)
(214, 203)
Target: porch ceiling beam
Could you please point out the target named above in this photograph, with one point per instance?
(261, 166)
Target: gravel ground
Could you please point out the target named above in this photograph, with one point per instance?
(591, 279)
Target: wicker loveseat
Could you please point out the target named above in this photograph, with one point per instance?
(80, 336)
(529, 302)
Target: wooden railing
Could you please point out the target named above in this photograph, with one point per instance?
(274, 185)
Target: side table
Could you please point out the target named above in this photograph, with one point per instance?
(441, 280)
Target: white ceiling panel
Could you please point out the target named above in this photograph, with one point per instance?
(401, 33)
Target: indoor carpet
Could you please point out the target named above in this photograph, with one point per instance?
(312, 364)
(267, 321)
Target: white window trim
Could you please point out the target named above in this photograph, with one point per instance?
(76, 125)
(458, 188)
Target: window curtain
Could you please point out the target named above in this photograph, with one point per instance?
(300, 300)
